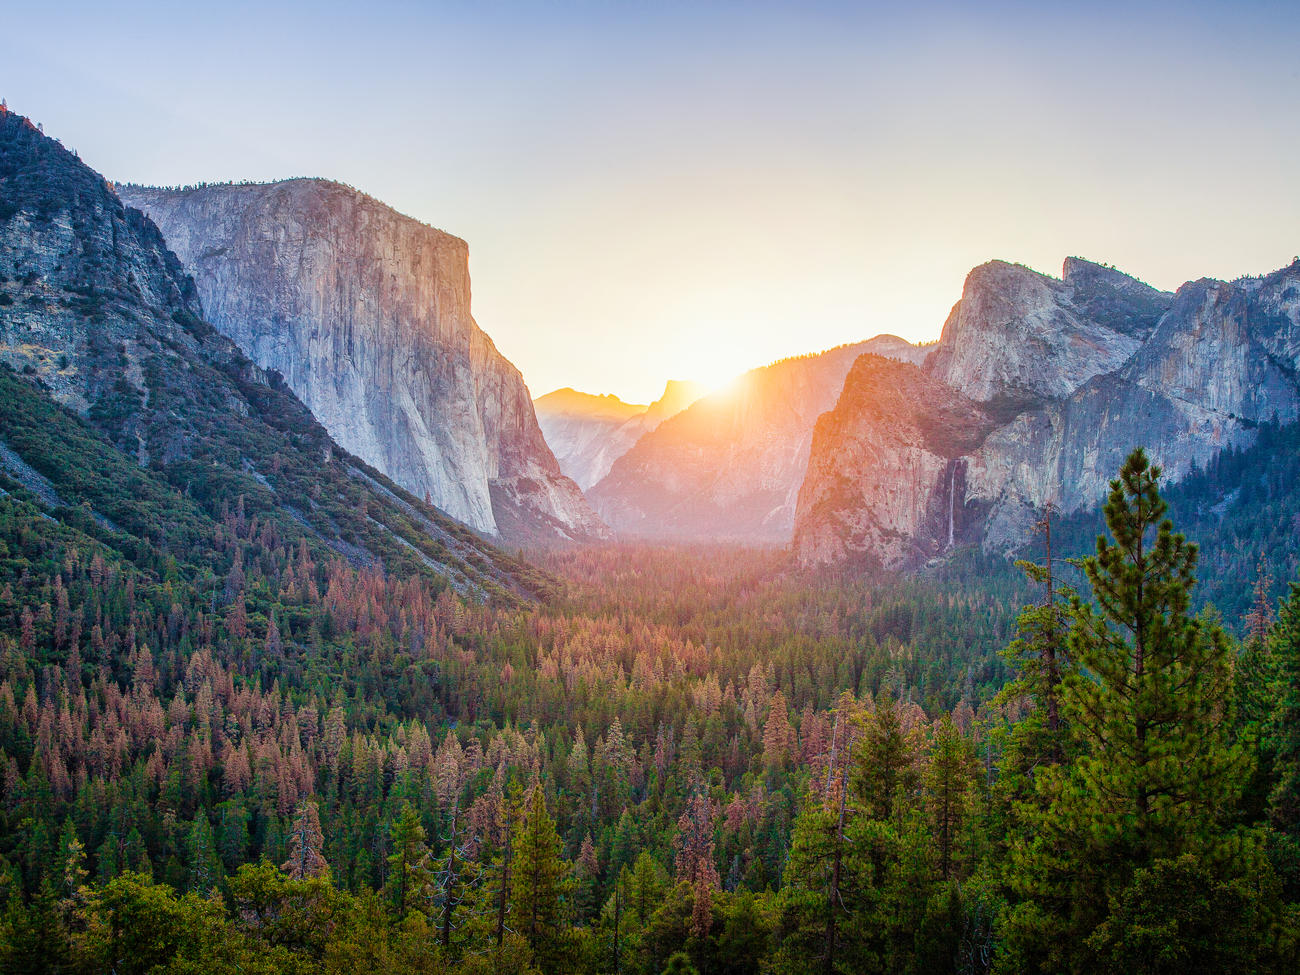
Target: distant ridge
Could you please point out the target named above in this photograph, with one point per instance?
(589, 433)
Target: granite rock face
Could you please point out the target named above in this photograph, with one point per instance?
(98, 315)
(1018, 335)
(1068, 376)
(588, 433)
(366, 314)
(890, 454)
(730, 466)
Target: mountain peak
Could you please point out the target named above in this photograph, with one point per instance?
(163, 425)
(1110, 297)
(678, 394)
(1017, 335)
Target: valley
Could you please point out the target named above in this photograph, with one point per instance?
(325, 647)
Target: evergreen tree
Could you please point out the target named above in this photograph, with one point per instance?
(1041, 661)
(885, 769)
(202, 865)
(696, 869)
(539, 886)
(949, 778)
(1157, 776)
(407, 867)
(1282, 743)
(453, 877)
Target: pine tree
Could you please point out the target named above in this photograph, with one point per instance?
(1282, 742)
(1040, 657)
(202, 865)
(305, 844)
(949, 778)
(696, 869)
(453, 876)
(777, 733)
(884, 760)
(586, 875)
(1255, 673)
(74, 888)
(407, 866)
(1157, 776)
(539, 890)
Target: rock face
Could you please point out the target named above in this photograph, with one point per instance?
(730, 466)
(366, 314)
(889, 454)
(177, 429)
(588, 433)
(1039, 389)
(1018, 335)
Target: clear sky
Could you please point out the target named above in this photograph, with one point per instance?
(661, 190)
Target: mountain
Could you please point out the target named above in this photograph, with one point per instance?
(1020, 335)
(1036, 391)
(128, 419)
(730, 466)
(588, 433)
(366, 314)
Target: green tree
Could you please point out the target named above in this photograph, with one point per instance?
(884, 772)
(949, 779)
(539, 886)
(1282, 742)
(203, 866)
(1157, 776)
(408, 865)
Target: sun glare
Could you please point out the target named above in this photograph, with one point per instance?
(712, 364)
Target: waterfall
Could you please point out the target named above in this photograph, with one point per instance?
(952, 500)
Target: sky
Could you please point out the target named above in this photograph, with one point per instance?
(663, 190)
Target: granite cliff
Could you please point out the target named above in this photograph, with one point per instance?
(730, 466)
(366, 314)
(128, 415)
(1035, 393)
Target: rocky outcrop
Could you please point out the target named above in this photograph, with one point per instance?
(1070, 376)
(1017, 335)
(730, 466)
(366, 314)
(588, 433)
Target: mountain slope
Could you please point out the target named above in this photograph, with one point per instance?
(138, 419)
(730, 466)
(588, 433)
(366, 313)
(1073, 375)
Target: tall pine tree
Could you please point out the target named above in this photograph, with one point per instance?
(1157, 776)
(539, 886)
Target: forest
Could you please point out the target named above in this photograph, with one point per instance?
(674, 760)
(263, 711)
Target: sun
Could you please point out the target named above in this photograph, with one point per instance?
(712, 365)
